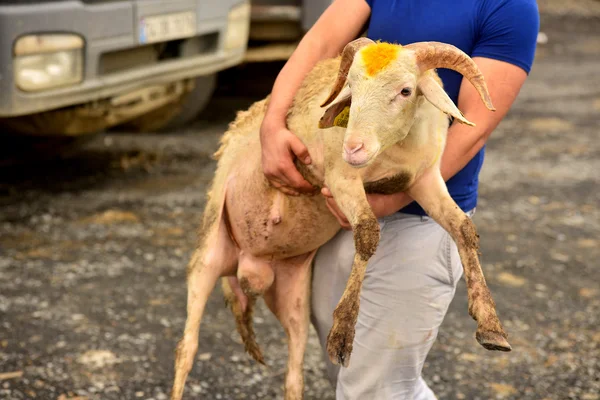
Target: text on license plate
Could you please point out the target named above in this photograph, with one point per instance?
(160, 28)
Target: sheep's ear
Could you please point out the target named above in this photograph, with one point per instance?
(336, 115)
(434, 93)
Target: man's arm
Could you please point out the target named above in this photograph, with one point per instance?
(464, 142)
(504, 81)
(340, 23)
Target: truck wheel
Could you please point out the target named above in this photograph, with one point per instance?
(178, 114)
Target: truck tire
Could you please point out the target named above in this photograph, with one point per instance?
(178, 114)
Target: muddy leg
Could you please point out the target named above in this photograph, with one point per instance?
(431, 193)
(341, 335)
(254, 277)
(216, 257)
(289, 300)
(242, 308)
(352, 200)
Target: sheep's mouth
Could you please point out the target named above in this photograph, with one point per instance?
(360, 159)
(357, 164)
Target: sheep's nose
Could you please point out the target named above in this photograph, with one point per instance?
(355, 153)
(351, 148)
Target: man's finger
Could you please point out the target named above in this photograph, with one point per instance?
(295, 180)
(300, 150)
(281, 187)
(275, 183)
(332, 205)
(302, 185)
(289, 191)
(342, 220)
(326, 192)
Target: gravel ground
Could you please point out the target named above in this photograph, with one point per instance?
(93, 250)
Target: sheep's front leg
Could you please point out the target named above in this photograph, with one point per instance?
(352, 200)
(431, 193)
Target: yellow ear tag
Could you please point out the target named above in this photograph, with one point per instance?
(341, 119)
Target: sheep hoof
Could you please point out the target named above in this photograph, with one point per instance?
(491, 340)
(339, 344)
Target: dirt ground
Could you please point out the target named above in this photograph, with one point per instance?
(93, 249)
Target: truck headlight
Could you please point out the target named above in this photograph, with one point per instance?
(47, 61)
(238, 26)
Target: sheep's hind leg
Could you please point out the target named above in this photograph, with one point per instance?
(431, 193)
(289, 300)
(242, 308)
(216, 256)
(254, 277)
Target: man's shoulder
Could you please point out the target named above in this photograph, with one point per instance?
(494, 9)
(507, 30)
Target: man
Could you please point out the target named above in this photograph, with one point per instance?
(412, 277)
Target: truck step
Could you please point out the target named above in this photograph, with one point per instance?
(264, 13)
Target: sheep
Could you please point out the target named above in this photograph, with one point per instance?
(383, 131)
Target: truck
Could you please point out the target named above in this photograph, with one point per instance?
(278, 25)
(74, 67)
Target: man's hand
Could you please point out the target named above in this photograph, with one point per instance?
(381, 204)
(335, 210)
(279, 147)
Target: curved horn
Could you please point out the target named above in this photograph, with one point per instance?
(441, 55)
(347, 57)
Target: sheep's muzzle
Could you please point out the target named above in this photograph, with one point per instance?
(358, 152)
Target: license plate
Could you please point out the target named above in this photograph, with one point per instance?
(160, 28)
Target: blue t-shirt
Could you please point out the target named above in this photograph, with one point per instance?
(504, 30)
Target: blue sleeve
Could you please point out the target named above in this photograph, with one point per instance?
(508, 31)
(370, 3)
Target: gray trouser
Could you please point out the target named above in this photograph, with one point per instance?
(409, 284)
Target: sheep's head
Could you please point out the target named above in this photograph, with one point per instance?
(378, 88)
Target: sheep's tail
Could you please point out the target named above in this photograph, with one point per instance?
(243, 120)
(243, 320)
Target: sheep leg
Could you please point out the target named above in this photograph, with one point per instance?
(254, 277)
(352, 200)
(345, 315)
(216, 256)
(431, 193)
(242, 308)
(289, 299)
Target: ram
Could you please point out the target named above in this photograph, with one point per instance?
(388, 117)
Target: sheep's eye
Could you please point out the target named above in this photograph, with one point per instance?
(406, 92)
